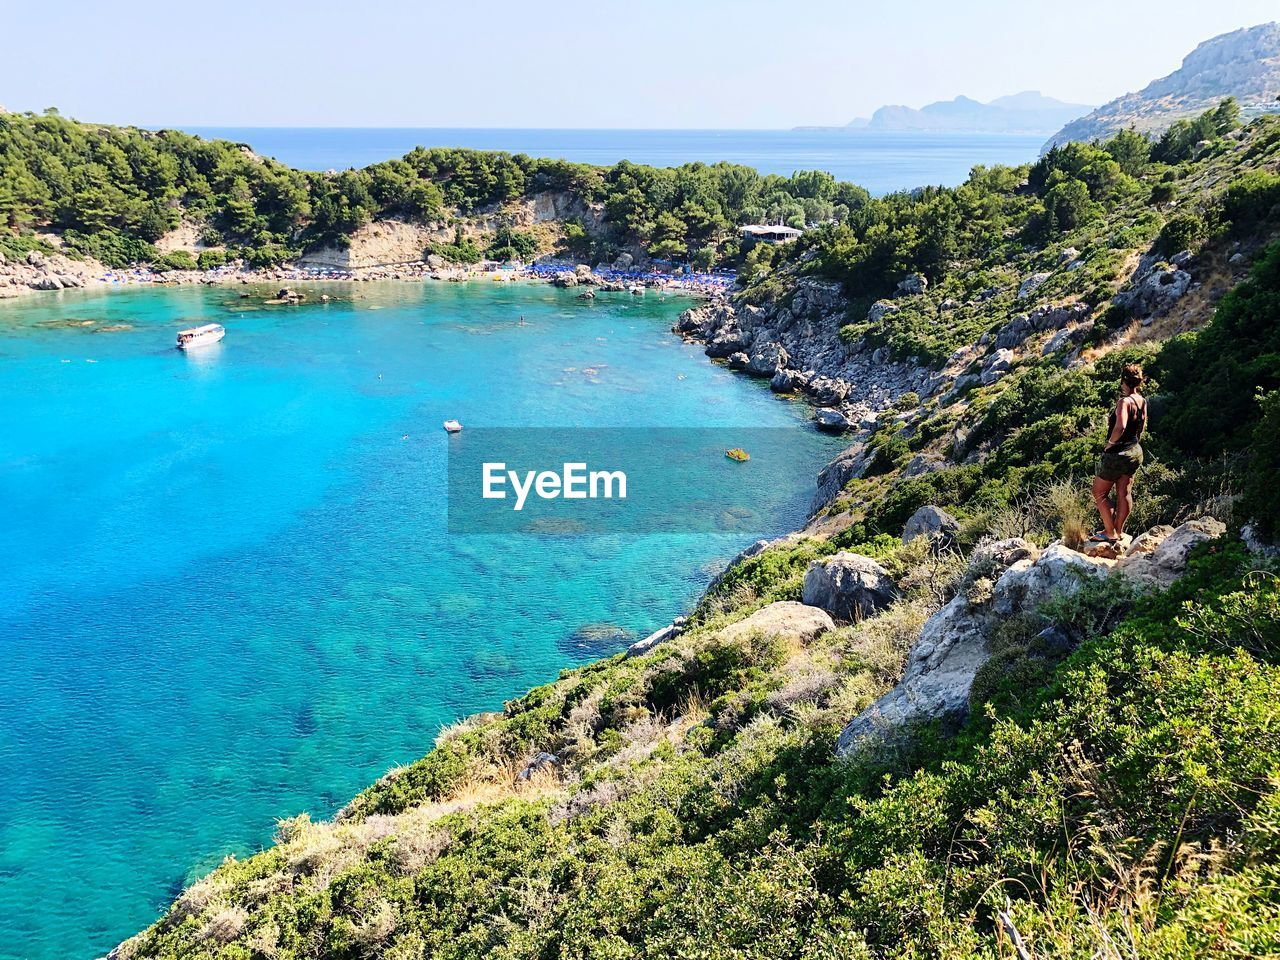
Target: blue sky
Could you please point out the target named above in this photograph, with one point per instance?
(660, 63)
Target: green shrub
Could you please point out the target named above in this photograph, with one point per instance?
(1186, 231)
(175, 260)
(211, 259)
(1260, 501)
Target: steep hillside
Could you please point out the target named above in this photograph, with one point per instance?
(1092, 764)
(1244, 64)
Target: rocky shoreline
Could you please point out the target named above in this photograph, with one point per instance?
(46, 272)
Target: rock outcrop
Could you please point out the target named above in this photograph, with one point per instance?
(1154, 290)
(932, 522)
(785, 619)
(848, 586)
(1244, 64)
(1007, 578)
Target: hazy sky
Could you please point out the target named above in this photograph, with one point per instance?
(570, 63)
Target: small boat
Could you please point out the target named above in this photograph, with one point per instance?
(200, 336)
(452, 426)
(737, 453)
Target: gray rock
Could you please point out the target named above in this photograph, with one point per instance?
(1254, 543)
(587, 295)
(766, 359)
(849, 465)
(726, 344)
(913, 284)
(36, 259)
(932, 522)
(1015, 332)
(1154, 292)
(1032, 284)
(1162, 562)
(785, 619)
(1001, 362)
(828, 390)
(539, 762)
(953, 643)
(923, 463)
(831, 420)
(739, 360)
(848, 586)
(788, 381)
(1065, 339)
(661, 635)
(624, 261)
(881, 309)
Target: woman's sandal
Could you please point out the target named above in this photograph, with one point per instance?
(1101, 537)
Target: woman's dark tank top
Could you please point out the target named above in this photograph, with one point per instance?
(1133, 428)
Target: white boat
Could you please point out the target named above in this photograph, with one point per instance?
(200, 336)
(452, 426)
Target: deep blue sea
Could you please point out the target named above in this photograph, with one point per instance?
(227, 588)
(881, 162)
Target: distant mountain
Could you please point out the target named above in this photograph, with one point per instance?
(1244, 64)
(1027, 112)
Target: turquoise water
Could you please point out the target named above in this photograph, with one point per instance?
(880, 161)
(227, 593)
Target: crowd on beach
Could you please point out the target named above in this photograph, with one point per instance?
(41, 272)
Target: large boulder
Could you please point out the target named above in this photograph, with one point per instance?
(831, 420)
(785, 619)
(932, 522)
(726, 343)
(1155, 560)
(661, 635)
(766, 359)
(1015, 332)
(848, 465)
(1000, 363)
(828, 390)
(881, 309)
(1154, 291)
(849, 586)
(788, 381)
(1058, 571)
(953, 642)
(1032, 284)
(913, 284)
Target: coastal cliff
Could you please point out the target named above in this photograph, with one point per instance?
(1244, 64)
(927, 723)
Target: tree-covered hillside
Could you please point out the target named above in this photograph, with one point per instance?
(114, 191)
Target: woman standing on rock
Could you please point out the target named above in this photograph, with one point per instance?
(1121, 456)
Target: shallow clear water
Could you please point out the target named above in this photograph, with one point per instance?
(880, 161)
(227, 593)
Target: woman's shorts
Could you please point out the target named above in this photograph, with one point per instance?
(1114, 464)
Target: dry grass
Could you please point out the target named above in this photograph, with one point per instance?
(1066, 508)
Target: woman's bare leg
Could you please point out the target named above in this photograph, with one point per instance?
(1101, 490)
(1124, 503)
